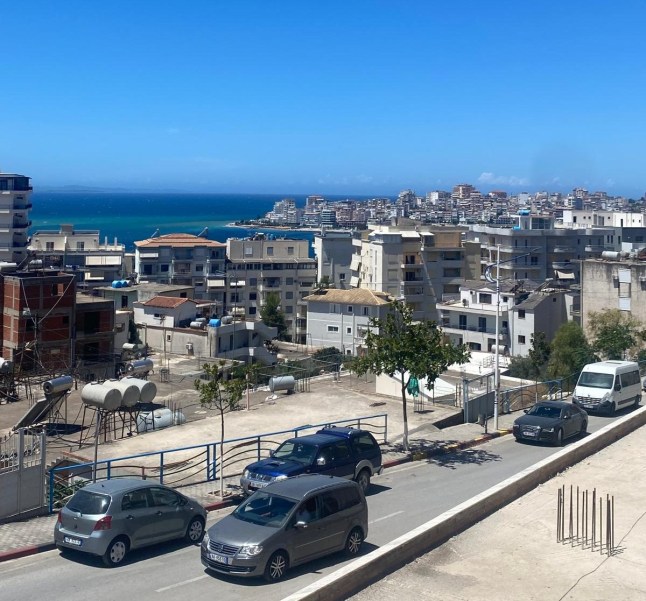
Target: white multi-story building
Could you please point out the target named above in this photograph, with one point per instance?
(80, 252)
(184, 260)
(333, 250)
(415, 264)
(340, 318)
(15, 205)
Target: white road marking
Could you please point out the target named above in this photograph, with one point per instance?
(178, 584)
(385, 517)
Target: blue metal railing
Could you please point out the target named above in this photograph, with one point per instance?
(199, 463)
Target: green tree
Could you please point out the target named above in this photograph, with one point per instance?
(218, 392)
(539, 353)
(570, 351)
(614, 332)
(411, 349)
(521, 367)
(272, 316)
(133, 333)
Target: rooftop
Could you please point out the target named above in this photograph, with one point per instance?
(357, 296)
(178, 240)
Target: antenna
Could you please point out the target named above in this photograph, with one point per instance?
(155, 233)
(203, 233)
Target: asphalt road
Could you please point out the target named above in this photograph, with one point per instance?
(401, 499)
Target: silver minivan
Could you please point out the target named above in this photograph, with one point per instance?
(288, 523)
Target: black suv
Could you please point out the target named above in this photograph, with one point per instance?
(345, 452)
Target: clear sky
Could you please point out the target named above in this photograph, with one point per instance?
(325, 97)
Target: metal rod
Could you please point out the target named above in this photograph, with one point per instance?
(577, 514)
(600, 525)
(594, 516)
(570, 525)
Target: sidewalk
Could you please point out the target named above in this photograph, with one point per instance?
(352, 397)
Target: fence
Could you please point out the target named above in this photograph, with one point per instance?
(22, 473)
(510, 399)
(194, 464)
(582, 519)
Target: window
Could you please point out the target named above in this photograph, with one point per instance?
(80, 246)
(199, 268)
(270, 251)
(366, 311)
(253, 281)
(289, 281)
(342, 277)
(521, 339)
(163, 268)
(348, 330)
(521, 313)
(485, 298)
(329, 504)
(165, 498)
(349, 308)
(333, 328)
(252, 310)
(253, 296)
(289, 295)
(290, 250)
(49, 246)
(289, 309)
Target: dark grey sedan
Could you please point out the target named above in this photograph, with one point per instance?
(551, 421)
(112, 517)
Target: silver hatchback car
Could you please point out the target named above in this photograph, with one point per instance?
(286, 524)
(112, 517)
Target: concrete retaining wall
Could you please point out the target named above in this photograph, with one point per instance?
(374, 566)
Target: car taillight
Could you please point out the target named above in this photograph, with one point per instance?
(59, 519)
(105, 523)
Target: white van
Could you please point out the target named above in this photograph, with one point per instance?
(607, 386)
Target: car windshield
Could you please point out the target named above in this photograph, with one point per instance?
(296, 451)
(544, 411)
(87, 502)
(594, 380)
(265, 509)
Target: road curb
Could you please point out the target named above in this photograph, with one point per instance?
(25, 551)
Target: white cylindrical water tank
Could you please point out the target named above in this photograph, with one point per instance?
(129, 392)
(100, 396)
(610, 254)
(147, 389)
(56, 385)
(281, 383)
(141, 366)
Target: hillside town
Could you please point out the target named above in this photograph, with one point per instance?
(558, 257)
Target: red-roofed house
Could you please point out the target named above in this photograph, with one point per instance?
(167, 311)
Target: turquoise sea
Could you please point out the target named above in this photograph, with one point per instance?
(136, 216)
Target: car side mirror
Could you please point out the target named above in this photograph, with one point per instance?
(300, 525)
(320, 461)
(617, 387)
(566, 417)
(526, 411)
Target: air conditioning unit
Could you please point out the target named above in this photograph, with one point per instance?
(465, 302)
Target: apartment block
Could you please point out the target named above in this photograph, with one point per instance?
(15, 205)
(261, 265)
(418, 264)
(333, 250)
(79, 252)
(181, 259)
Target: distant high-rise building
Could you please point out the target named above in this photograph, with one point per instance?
(15, 205)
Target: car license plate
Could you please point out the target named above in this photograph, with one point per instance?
(529, 434)
(588, 406)
(257, 485)
(218, 558)
(72, 541)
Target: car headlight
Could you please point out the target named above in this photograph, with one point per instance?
(281, 477)
(606, 397)
(245, 474)
(250, 550)
(206, 539)
(548, 429)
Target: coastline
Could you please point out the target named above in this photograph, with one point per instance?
(277, 228)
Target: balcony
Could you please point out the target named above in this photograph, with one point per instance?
(20, 224)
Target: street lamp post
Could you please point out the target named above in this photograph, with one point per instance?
(496, 281)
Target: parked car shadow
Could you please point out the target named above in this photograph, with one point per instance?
(133, 557)
(464, 457)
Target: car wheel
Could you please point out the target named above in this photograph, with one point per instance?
(353, 542)
(558, 440)
(363, 479)
(276, 566)
(116, 552)
(195, 531)
(637, 401)
(584, 428)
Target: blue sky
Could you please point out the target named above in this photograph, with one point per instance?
(331, 97)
